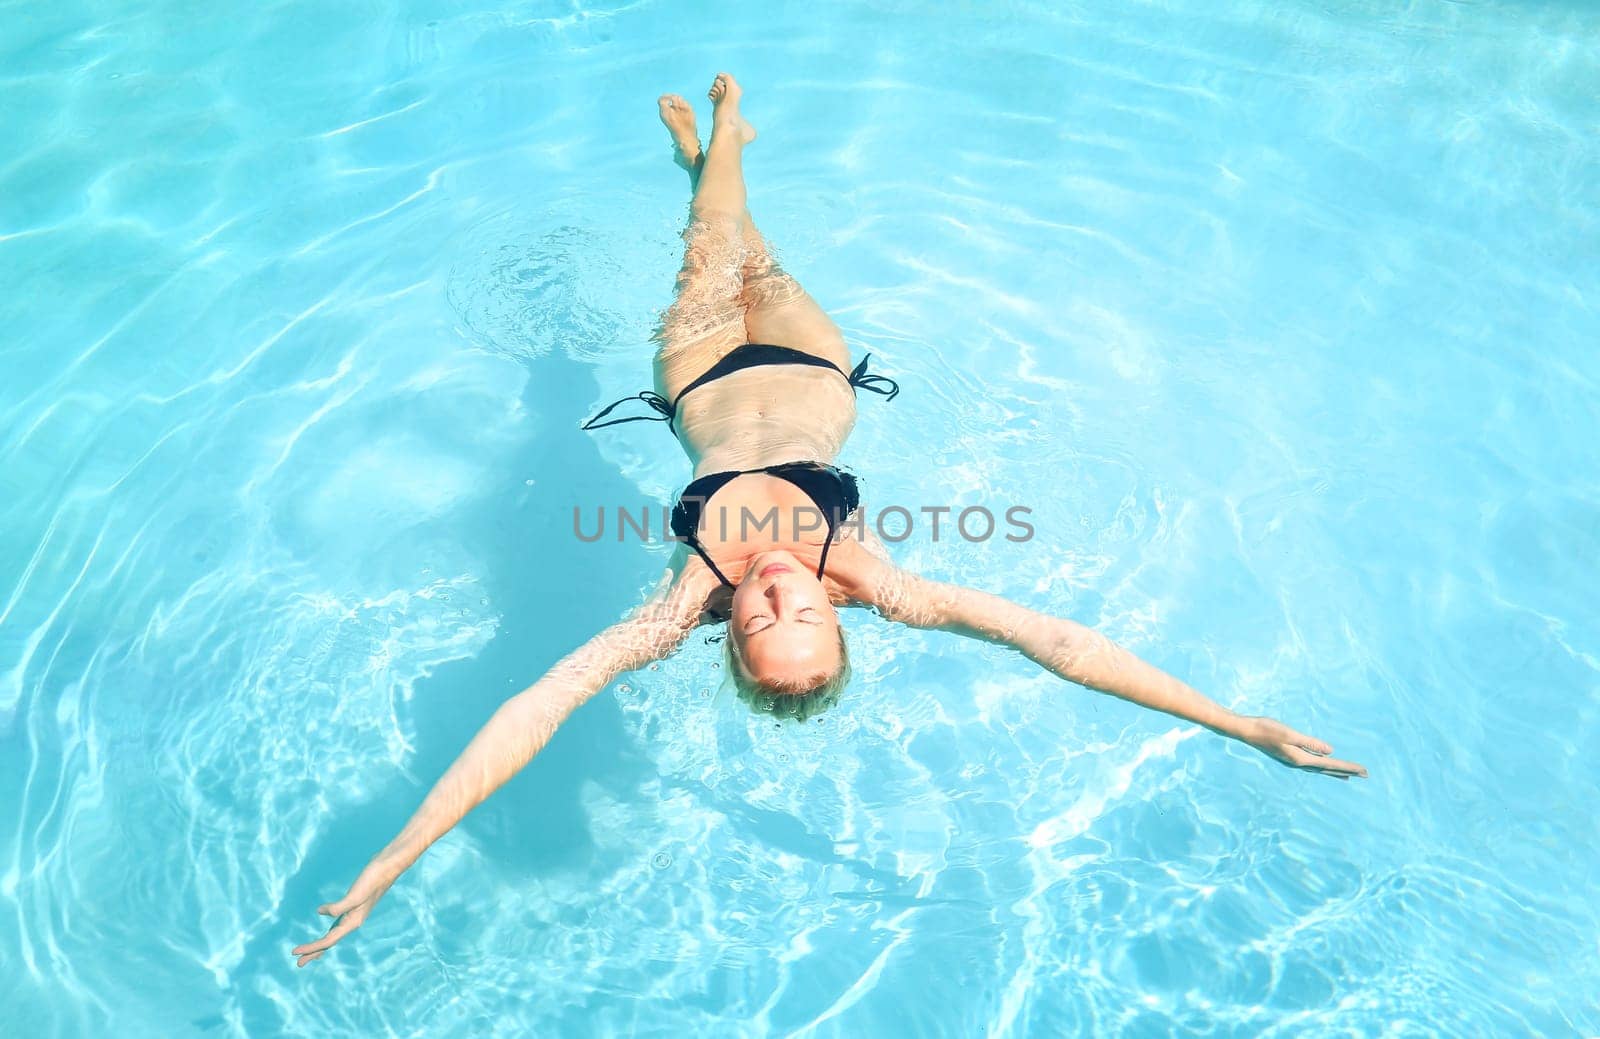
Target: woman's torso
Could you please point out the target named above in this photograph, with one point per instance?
(764, 414)
(753, 417)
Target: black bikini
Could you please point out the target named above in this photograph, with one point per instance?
(750, 355)
(832, 490)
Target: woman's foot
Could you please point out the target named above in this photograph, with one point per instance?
(678, 117)
(725, 93)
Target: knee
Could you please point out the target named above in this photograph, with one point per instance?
(711, 251)
(716, 223)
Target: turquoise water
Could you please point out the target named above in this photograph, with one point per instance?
(1281, 318)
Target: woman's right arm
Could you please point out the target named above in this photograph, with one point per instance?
(1085, 657)
(519, 729)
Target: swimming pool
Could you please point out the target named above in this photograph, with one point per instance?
(1280, 318)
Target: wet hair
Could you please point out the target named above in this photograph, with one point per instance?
(801, 699)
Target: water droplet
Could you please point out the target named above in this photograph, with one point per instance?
(483, 602)
(661, 860)
(716, 666)
(624, 688)
(655, 667)
(783, 758)
(527, 483)
(704, 693)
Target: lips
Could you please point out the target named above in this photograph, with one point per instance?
(773, 568)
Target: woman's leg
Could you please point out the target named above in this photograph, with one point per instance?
(677, 115)
(706, 320)
(687, 155)
(777, 309)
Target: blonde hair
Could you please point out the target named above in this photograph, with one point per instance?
(799, 698)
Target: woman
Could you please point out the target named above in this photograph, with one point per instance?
(766, 518)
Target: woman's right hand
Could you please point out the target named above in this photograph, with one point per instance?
(350, 912)
(1295, 749)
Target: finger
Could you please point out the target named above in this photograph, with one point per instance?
(326, 941)
(1335, 767)
(307, 959)
(1300, 757)
(329, 940)
(1310, 743)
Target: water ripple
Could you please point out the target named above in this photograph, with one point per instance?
(1278, 318)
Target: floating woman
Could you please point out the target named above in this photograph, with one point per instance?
(756, 382)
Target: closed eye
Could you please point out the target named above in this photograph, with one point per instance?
(755, 625)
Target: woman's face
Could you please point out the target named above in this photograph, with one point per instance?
(783, 625)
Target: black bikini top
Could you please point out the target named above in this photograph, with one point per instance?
(833, 491)
(750, 355)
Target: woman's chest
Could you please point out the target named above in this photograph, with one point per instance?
(756, 509)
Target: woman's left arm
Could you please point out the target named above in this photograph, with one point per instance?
(516, 732)
(1082, 655)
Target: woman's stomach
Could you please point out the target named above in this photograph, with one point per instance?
(764, 415)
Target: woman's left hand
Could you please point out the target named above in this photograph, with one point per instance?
(350, 912)
(1295, 749)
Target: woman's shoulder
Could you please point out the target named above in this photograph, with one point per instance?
(857, 530)
(687, 586)
(858, 563)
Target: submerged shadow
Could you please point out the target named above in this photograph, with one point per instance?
(554, 592)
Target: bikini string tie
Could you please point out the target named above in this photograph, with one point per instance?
(882, 385)
(663, 411)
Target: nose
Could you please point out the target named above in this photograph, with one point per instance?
(778, 596)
